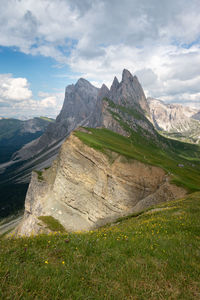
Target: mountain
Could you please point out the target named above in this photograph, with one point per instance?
(84, 105)
(14, 134)
(80, 100)
(175, 121)
(122, 110)
(196, 116)
(87, 187)
(118, 167)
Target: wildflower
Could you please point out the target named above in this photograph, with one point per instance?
(46, 262)
(63, 262)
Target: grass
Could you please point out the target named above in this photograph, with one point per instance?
(52, 223)
(166, 157)
(40, 175)
(47, 119)
(151, 256)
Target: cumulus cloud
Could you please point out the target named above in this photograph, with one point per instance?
(14, 89)
(157, 40)
(16, 99)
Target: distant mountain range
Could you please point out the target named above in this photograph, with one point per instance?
(175, 121)
(15, 133)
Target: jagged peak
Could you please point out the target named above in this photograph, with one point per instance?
(103, 91)
(84, 83)
(135, 78)
(104, 88)
(126, 75)
(69, 88)
(115, 84)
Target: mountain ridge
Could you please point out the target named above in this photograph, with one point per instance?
(175, 120)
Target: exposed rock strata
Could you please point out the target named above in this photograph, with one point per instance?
(84, 190)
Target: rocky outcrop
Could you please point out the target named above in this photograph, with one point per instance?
(83, 106)
(85, 188)
(79, 103)
(175, 120)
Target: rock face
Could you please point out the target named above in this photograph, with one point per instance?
(126, 102)
(15, 133)
(175, 120)
(84, 190)
(83, 106)
(80, 100)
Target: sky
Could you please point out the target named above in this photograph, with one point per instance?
(47, 44)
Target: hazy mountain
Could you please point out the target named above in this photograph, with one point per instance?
(196, 116)
(175, 120)
(15, 133)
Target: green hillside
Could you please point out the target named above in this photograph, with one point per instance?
(154, 255)
(168, 155)
(8, 127)
(14, 134)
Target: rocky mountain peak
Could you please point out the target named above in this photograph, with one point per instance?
(175, 119)
(114, 85)
(83, 106)
(129, 93)
(126, 76)
(103, 92)
(83, 83)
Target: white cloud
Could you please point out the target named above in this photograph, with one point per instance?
(16, 99)
(14, 89)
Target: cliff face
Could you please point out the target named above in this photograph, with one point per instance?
(80, 100)
(84, 106)
(85, 188)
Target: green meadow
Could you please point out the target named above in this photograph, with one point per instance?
(154, 255)
(167, 155)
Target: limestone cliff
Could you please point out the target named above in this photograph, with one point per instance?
(85, 188)
(175, 120)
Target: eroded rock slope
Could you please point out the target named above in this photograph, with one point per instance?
(85, 188)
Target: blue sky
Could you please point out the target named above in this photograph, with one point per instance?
(41, 72)
(48, 44)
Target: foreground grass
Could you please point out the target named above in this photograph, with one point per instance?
(151, 256)
(52, 223)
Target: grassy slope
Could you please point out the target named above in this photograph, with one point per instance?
(8, 127)
(47, 119)
(152, 256)
(143, 150)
